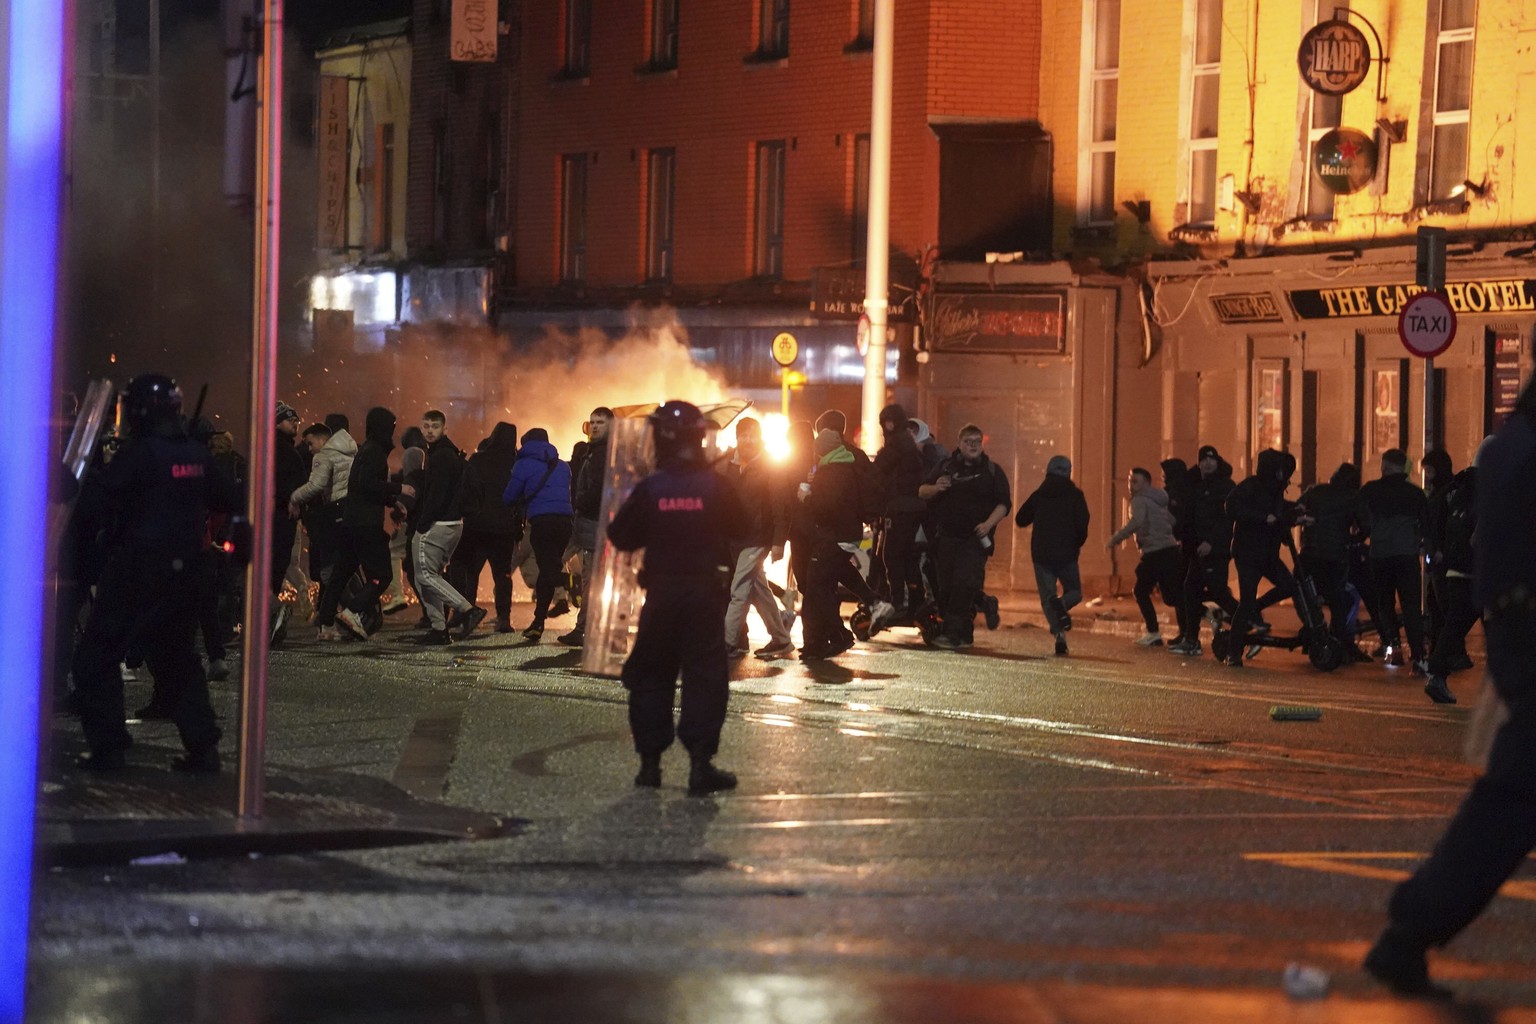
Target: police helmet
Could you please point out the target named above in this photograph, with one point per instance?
(149, 400)
(678, 427)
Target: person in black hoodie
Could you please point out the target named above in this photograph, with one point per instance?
(1059, 514)
(1331, 515)
(1210, 532)
(491, 529)
(1453, 525)
(1180, 501)
(1260, 518)
(288, 474)
(438, 519)
(1438, 474)
(364, 544)
(899, 464)
(832, 497)
(587, 474)
(1397, 514)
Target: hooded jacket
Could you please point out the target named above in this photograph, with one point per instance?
(1151, 522)
(899, 465)
(369, 489)
(1453, 524)
(834, 499)
(1254, 501)
(1209, 521)
(328, 474)
(1059, 513)
(587, 484)
(491, 467)
(444, 486)
(1336, 512)
(1180, 499)
(538, 460)
(1397, 514)
(288, 471)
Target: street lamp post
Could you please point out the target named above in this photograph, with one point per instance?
(877, 248)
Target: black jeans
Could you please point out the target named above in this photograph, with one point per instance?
(1331, 579)
(476, 550)
(900, 555)
(359, 548)
(1249, 575)
(681, 630)
(962, 575)
(549, 535)
(1458, 613)
(1396, 580)
(1495, 828)
(1206, 577)
(820, 622)
(141, 602)
(1161, 570)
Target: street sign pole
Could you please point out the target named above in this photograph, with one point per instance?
(1429, 272)
(877, 254)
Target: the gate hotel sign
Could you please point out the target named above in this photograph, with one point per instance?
(998, 323)
(474, 31)
(1466, 297)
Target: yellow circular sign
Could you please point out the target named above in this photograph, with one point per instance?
(785, 348)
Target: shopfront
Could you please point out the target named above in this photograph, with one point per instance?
(1302, 353)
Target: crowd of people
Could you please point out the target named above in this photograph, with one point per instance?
(1400, 553)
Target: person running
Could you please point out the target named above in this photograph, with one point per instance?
(1058, 513)
(1151, 523)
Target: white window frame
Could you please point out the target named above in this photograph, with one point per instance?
(1208, 144)
(1088, 148)
(1450, 118)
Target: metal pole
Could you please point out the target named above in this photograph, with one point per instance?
(877, 247)
(154, 167)
(784, 397)
(1429, 405)
(259, 503)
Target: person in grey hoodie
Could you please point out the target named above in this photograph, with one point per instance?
(1160, 568)
(319, 500)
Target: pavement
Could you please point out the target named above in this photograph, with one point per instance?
(147, 811)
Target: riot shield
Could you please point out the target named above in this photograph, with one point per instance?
(88, 426)
(614, 591)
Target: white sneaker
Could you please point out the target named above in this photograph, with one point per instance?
(129, 675)
(348, 620)
(1150, 640)
(880, 615)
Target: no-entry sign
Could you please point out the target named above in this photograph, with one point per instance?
(1427, 324)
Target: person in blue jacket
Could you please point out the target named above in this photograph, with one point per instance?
(541, 488)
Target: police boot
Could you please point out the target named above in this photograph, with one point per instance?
(705, 778)
(649, 774)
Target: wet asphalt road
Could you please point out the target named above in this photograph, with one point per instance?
(1121, 818)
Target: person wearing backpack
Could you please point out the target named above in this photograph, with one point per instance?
(1453, 524)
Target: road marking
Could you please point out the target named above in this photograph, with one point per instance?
(1348, 864)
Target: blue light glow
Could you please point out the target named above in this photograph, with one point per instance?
(31, 106)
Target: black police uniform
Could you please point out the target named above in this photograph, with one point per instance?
(153, 498)
(685, 516)
(1494, 830)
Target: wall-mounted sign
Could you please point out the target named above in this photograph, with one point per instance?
(837, 293)
(334, 163)
(998, 322)
(473, 37)
(1465, 297)
(1334, 57)
(1345, 160)
(1504, 376)
(1246, 308)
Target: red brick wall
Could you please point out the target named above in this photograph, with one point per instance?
(715, 107)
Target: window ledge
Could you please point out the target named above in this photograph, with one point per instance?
(1205, 234)
(570, 76)
(766, 58)
(657, 69)
(1455, 206)
(860, 45)
(1093, 233)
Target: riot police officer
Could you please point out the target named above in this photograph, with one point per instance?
(152, 500)
(684, 515)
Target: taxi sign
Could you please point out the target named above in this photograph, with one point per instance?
(1427, 324)
(785, 348)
